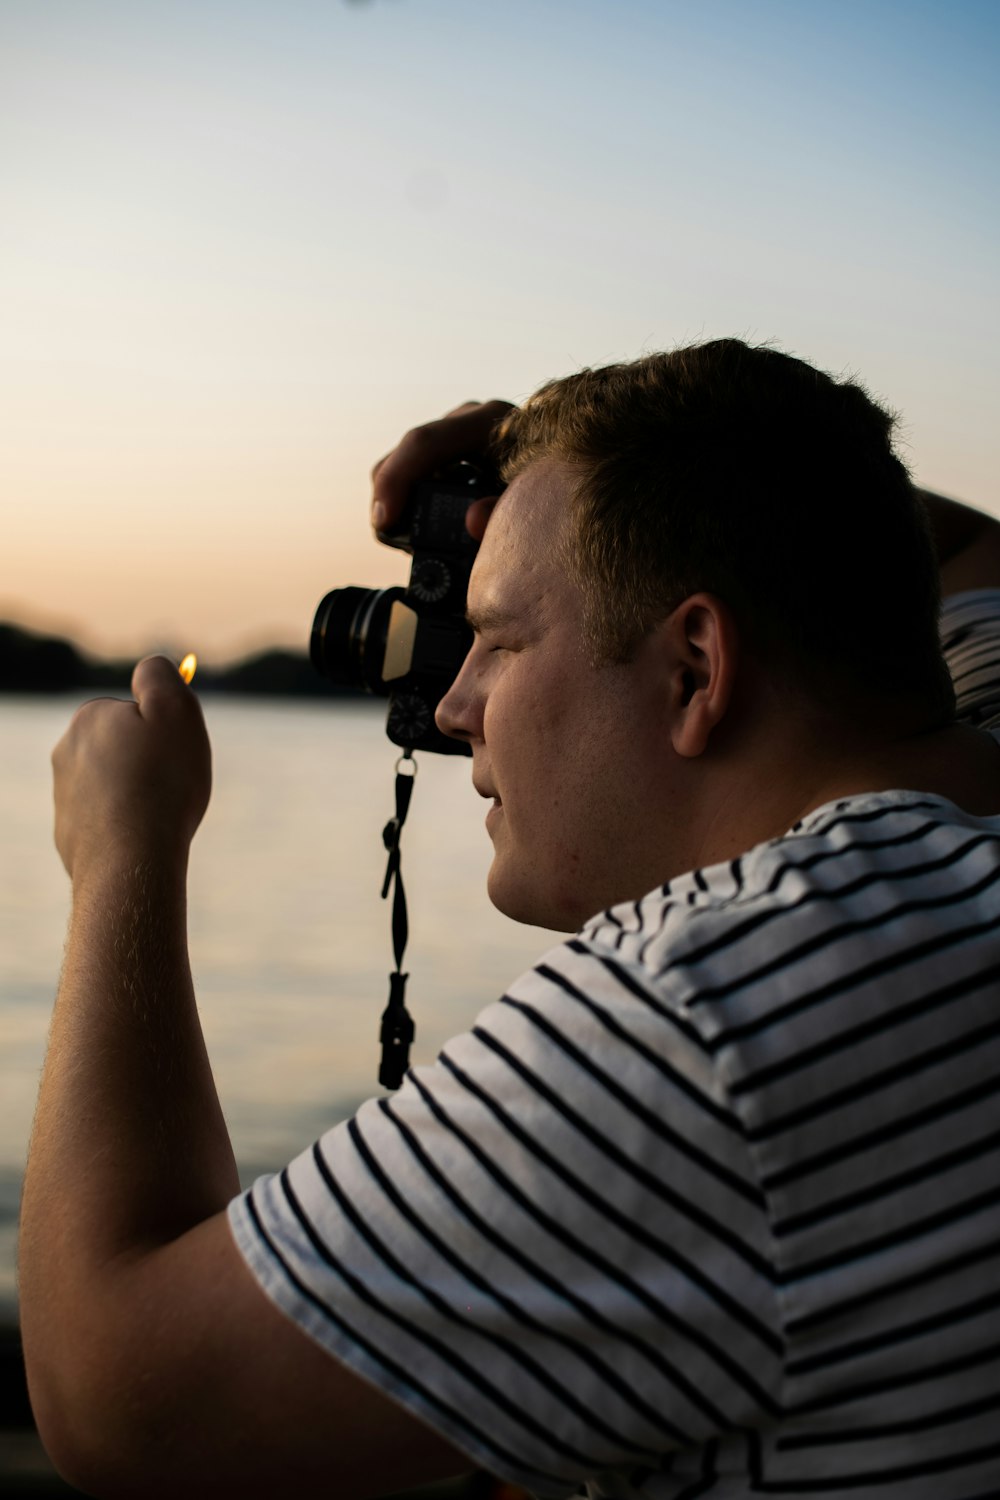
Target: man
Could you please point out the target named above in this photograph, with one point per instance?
(707, 1203)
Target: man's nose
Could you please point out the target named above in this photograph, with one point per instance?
(457, 714)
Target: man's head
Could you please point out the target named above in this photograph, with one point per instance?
(754, 476)
(696, 555)
(575, 756)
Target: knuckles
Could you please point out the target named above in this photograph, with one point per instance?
(420, 439)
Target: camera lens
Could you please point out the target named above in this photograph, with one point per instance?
(349, 635)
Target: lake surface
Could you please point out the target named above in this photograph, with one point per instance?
(290, 943)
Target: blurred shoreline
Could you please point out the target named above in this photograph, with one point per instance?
(33, 662)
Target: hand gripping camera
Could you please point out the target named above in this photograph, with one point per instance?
(410, 643)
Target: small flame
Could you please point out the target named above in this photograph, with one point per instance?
(188, 666)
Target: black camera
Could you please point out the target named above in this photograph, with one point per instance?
(410, 643)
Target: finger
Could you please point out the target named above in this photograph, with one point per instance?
(463, 433)
(478, 514)
(456, 411)
(464, 406)
(415, 457)
(81, 718)
(157, 681)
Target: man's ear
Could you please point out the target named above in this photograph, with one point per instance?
(704, 645)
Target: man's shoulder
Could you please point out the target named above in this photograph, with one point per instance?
(740, 994)
(970, 640)
(840, 883)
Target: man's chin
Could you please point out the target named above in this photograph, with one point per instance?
(521, 902)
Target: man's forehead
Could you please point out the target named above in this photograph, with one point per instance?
(521, 556)
(532, 513)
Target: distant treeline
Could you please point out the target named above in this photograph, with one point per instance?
(32, 663)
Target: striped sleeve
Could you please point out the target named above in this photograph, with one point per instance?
(550, 1245)
(970, 640)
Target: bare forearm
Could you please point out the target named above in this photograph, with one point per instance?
(129, 1147)
(954, 526)
(967, 542)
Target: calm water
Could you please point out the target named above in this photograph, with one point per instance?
(290, 942)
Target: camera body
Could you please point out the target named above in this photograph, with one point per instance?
(409, 644)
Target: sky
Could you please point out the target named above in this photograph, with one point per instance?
(247, 243)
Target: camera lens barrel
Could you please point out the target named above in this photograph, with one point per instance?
(349, 633)
(409, 644)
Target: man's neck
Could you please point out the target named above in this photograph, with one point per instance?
(779, 786)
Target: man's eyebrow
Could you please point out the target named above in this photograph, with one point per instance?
(488, 617)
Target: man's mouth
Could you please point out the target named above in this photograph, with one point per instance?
(490, 795)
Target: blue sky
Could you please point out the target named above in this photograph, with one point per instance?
(248, 242)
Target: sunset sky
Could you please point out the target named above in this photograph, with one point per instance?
(246, 243)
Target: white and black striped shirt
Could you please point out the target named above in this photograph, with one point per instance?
(709, 1202)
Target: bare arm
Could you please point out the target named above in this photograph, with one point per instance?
(155, 1361)
(967, 542)
(128, 1104)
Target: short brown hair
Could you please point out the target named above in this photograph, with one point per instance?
(747, 473)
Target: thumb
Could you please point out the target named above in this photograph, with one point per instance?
(156, 682)
(478, 514)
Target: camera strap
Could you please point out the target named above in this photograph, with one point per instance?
(397, 1030)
